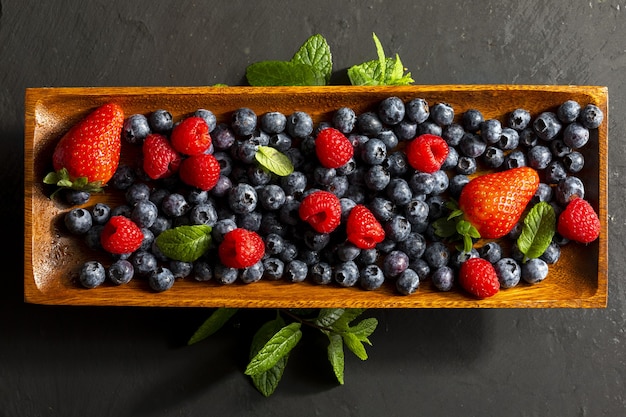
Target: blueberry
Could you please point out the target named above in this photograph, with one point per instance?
(429, 127)
(442, 114)
(391, 110)
(338, 185)
(294, 183)
(348, 168)
(441, 182)
(575, 135)
(323, 175)
(508, 272)
(394, 263)
(245, 151)
(552, 253)
(451, 160)
(76, 197)
(519, 119)
(534, 270)
(453, 133)
(196, 196)
(559, 148)
(161, 279)
(251, 274)
(515, 159)
(414, 245)
(591, 116)
(299, 124)
(405, 130)
(377, 178)
(144, 263)
(491, 131)
(472, 145)
(408, 282)
(437, 255)
(346, 274)
(222, 227)
(135, 129)
(160, 224)
(493, 157)
(242, 198)
(161, 121)
(466, 165)
(289, 253)
(273, 122)
(397, 229)
(243, 121)
(422, 183)
(288, 212)
(574, 162)
(459, 257)
(367, 257)
(273, 268)
(208, 117)
(92, 274)
(222, 137)
(544, 193)
(180, 269)
(281, 142)
(399, 192)
(538, 157)
(250, 221)
(121, 210)
(382, 209)
(78, 221)
(296, 271)
(389, 138)
(443, 278)
(203, 213)
(421, 267)
(224, 274)
(120, 272)
(344, 120)
(202, 271)
(373, 152)
(371, 277)
(148, 239)
(92, 237)
(555, 172)
(308, 256)
(347, 251)
(417, 110)
(416, 211)
(123, 177)
(386, 246)
(568, 111)
(144, 213)
(174, 205)
(509, 139)
(457, 183)
(157, 195)
(569, 188)
(369, 124)
(321, 273)
(137, 192)
(156, 252)
(547, 126)
(472, 119)
(491, 251)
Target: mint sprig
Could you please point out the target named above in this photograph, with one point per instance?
(538, 230)
(274, 160)
(383, 71)
(185, 243)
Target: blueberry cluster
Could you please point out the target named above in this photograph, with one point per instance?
(405, 201)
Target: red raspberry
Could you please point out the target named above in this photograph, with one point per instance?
(322, 210)
(333, 148)
(363, 230)
(201, 171)
(160, 159)
(121, 235)
(426, 153)
(241, 248)
(191, 136)
(579, 222)
(478, 277)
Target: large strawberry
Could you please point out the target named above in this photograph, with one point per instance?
(87, 155)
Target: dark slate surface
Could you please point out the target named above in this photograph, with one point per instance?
(62, 361)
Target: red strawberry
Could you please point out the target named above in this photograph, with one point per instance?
(322, 210)
(121, 235)
(201, 171)
(160, 159)
(191, 136)
(333, 148)
(494, 203)
(363, 230)
(426, 153)
(579, 222)
(241, 248)
(87, 155)
(478, 277)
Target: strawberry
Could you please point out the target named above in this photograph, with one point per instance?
(579, 222)
(191, 136)
(87, 155)
(427, 152)
(478, 277)
(201, 171)
(322, 210)
(121, 235)
(160, 159)
(333, 148)
(241, 248)
(362, 228)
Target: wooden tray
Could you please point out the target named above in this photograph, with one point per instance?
(51, 258)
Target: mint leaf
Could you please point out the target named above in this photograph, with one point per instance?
(328, 316)
(315, 52)
(382, 61)
(267, 382)
(277, 347)
(211, 325)
(355, 345)
(185, 243)
(364, 329)
(538, 230)
(349, 315)
(367, 73)
(274, 160)
(336, 356)
(283, 73)
(383, 71)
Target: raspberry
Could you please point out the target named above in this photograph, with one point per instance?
(426, 153)
(478, 277)
(241, 248)
(333, 148)
(362, 228)
(579, 222)
(191, 136)
(121, 236)
(201, 171)
(322, 210)
(160, 159)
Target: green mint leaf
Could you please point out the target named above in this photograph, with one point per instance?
(328, 316)
(283, 73)
(185, 243)
(354, 345)
(315, 52)
(274, 160)
(367, 74)
(349, 315)
(383, 71)
(394, 74)
(211, 325)
(364, 329)
(336, 355)
(266, 382)
(538, 230)
(382, 61)
(445, 227)
(277, 347)
(265, 333)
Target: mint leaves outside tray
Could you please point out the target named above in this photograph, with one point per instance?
(383, 71)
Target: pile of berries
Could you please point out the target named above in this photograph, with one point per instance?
(358, 207)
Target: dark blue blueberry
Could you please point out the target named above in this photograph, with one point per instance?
(120, 272)
(180, 269)
(443, 278)
(323, 175)
(367, 257)
(196, 196)
(123, 177)
(273, 122)
(144, 213)
(299, 124)
(568, 111)
(421, 267)
(294, 183)
(416, 211)
(569, 188)
(273, 268)
(429, 127)
(308, 256)
(373, 152)
(538, 157)
(371, 277)
(414, 245)
(161, 279)
(274, 244)
(245, 151)
(515, 232)
(547, 126)
(369, 124)
(405, 130)
(338, 185)
(422, 183)
(222, 137)
(491, 131)
(347, 204)
(135, 129)
(242, 198)
(270, 223)
(491, 251)
(347, 251)
(437, 255)
(457, 183)
(295, 156)
(290, 251)
(574, 162)
(391, 110)
(204, 213)
(555, 172)
(528, 137)
(509, 139)
(348, 168)
(377, 178)
(271, 196)
(251, 274)
(453, 133)
(144, 263)
(552, 253)
(157, 253)
(515, 159)
(559, 148)
(395, 263)
(417, 110)
(76, 197)
(136, 193)
(288, 212)
(389, 138)
(250, 221)
(281, 141)
(202, 271)
(472, 145)
(544, 193)
(161, 121)
(258, 175)
(148, 239)
(160, 224)
(259, 138)
(208, 117)
(92, 274)
(346, 274)
(472, 120)
(121, 210)
(222, 187)
(296, 271)
(508, 272)
(344, 120)
(591, 116)
(575, 135)
(397, 229)
(222, 227)
(78, 221)
(382, 209)
(92, 237)
(357, 141)
(466, 165)
(408, 282)
(519, 119)
(321, 126)
(442, 114)
(534, 270)
(224, 274)
(157, 195)
(458, 257)
(243, 121)
(386, 246)
(441, 182)
(399, 192)
(175, 205)
(321, 273)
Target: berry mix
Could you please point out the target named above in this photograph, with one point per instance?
(390, 196)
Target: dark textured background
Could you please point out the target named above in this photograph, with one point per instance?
(63, 361)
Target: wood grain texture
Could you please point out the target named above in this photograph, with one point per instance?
(51, 258)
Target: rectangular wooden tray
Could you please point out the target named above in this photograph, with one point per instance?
(51, 258)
